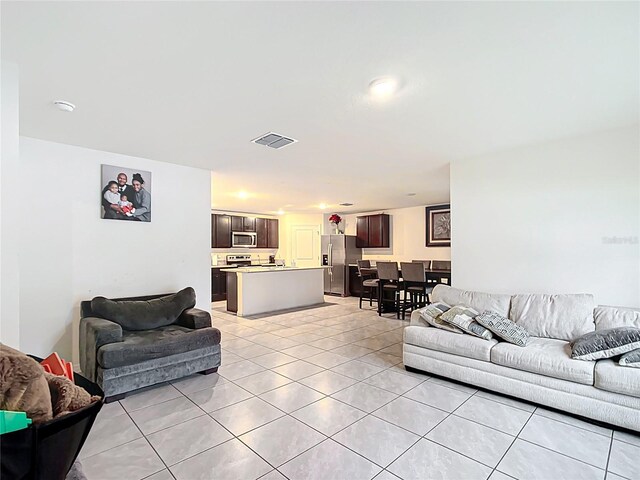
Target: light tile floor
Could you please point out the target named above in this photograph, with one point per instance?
(321, 393)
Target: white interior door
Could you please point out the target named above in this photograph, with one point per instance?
(305, 245)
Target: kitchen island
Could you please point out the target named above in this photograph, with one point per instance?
(256, 290)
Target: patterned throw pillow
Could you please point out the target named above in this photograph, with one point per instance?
(606, 343)
(504, 328)
(463, 318)
(431, 314)
(630, 359)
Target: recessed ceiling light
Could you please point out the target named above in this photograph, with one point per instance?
(322, 206)
(64, 105)
(242, 194)
(280, 212)
(346, 204)
(383, 87)
(411, 194)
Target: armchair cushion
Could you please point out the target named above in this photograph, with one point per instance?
(194, 318)
(145, 314)
(140, 346)
(94, 333)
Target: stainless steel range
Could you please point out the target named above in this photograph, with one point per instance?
(242, 260)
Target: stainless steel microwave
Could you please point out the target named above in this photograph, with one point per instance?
(244, 239)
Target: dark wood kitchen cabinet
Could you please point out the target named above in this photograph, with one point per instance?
(362, 232)
(373, 231)
(248, 224)
(237, 224)
(262, 232)
(222, 225)
(267, 232)
(272, 232)
(220, 231)
(218, 285)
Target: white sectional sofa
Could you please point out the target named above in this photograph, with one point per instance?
(543, 372)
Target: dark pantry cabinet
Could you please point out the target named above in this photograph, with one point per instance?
(372, 231)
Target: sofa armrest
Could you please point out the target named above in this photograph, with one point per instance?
(194, 318)
(94, 333)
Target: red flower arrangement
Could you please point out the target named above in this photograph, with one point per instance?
(335, 219)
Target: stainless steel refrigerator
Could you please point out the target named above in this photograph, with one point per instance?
(338, 251)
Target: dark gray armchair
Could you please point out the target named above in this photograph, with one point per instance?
(130, 343)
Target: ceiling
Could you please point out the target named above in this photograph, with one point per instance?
(193, 82)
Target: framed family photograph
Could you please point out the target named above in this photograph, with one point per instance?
(125, 194)
(438, 222)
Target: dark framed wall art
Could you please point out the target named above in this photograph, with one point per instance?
(125, 194)
(438, 225)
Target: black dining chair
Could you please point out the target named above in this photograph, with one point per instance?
(389, 281)
(414, 278)
(369, 281)
(426, 263)
(440, 273)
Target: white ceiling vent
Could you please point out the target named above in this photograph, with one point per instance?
(274, 140)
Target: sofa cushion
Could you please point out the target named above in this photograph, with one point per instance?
(463, 318)
(544, 356)
(477, 300)
(606, 343)
(612, 317)
(630, 359)
(431, 316)
(618, 379)
(161, 342)
(443, 341)
(564, 317)
(504, 328)
(145, 314)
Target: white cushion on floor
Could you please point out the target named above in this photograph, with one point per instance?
(479, 301)
(565, 317)
(615, 378)
(544, 356)
(448, 342)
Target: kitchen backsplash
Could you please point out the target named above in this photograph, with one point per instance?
(219, 257)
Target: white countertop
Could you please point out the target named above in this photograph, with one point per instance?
(268, 269)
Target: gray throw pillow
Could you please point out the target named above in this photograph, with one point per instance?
(504, 328)
(145, 314)
(463, 318)
(431, 314)
(605, 343)
(630, 359)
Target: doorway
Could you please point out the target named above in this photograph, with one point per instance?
(305, 245)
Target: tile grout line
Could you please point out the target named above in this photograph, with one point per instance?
(512, 443)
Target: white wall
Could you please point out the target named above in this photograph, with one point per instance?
(68, 253)
(408, 236)
(10, 195)
(560, 217)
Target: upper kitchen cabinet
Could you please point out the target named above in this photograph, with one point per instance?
(243, 224)
(248, 224)
(372, 231)
(272, 231)
(222, 225)
(267, 232)
(262, 231)
(237, 223)
(220, 231)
